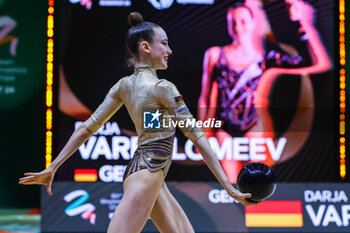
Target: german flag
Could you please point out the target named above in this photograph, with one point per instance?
(275, 214)
(85, 175)
(179, 100)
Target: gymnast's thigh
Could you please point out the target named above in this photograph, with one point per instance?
(168, 215)
(141, 190)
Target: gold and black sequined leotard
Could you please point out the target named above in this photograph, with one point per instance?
(143, 91)
(236, 89)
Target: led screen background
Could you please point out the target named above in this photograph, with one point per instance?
(92, 57)
(22, 77)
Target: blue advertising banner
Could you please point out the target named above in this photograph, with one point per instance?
(303, 207)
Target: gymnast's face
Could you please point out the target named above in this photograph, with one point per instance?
(240, 23)
(159, 49)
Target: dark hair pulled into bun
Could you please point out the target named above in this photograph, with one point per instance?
(135, 18)
(139, 31)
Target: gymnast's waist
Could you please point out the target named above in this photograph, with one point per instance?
(161, 147)
(146, 138)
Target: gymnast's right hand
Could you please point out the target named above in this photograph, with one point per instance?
(241, 197)
(44, 177)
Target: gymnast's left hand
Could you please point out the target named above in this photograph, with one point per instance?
(44, 177)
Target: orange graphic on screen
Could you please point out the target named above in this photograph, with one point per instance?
(7, 24)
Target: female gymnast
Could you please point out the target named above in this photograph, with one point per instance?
(145, 192)
(237, 80)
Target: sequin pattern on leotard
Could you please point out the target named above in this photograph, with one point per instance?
(236, 94)
(153, 156)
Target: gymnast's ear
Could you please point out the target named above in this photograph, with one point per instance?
(144, 46)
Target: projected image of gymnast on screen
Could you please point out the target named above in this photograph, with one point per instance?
(238, 78)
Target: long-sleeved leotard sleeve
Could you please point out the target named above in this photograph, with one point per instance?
(106, 110)
(170, 97)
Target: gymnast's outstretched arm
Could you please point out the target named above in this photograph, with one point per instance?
(167, 95)
(105, 111)
(209, 156)
(45, 177)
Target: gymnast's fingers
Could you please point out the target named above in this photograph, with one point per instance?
(48, 189)
(27, 182)
(30, 174)
(26, 177)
